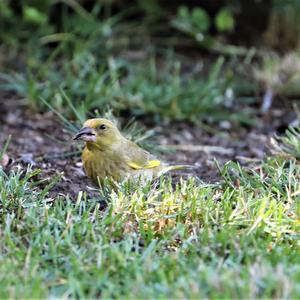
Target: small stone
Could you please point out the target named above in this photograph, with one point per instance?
(27, 158)
(6, 160)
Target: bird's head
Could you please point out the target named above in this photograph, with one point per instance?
(100, 132)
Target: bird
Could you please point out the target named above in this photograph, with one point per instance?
(108, 154)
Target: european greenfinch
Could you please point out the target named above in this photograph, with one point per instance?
(108, 154)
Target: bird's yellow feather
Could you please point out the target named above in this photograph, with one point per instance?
(107, 154)
(149, 165)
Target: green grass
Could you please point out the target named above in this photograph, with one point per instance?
(237, 239)
(91, 59)
(290, 143)
(140, 88)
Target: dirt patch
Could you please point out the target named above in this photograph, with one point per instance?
(40, 140)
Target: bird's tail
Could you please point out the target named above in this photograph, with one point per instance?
(176, 167)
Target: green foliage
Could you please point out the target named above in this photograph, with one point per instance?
(132, 130)
(65, 24)
(20, 20)
(83, 61)
(224, 20)
(5, 10)
(33, 15)
(237, 238)
(197, 19)
(169, 93)
(196, 24)
(284, 26)
(189, 240)
(141, 88)
(289, 144)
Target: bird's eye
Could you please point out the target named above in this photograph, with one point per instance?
(102, 127)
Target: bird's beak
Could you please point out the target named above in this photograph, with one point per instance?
(86, 134)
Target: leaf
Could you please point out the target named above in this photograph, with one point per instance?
(224, 20)
(33, 15)
(183, 12)
(200, 19)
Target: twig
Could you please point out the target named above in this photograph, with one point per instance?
(206, 149)
(267, 100)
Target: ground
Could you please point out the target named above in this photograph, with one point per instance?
(41, 140)
(216, 98)
(225, 230)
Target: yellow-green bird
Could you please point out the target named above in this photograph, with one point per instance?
(108, 154)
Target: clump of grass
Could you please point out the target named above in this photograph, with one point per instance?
(132, 130)
(283, 28)
(82, 62)
(161, 91)
(169, 93)
(196, 24)
(237, 238)
(289, 144)
(19, 191)
(280, 74)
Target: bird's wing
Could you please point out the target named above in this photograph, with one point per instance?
(137, 158)
(148, 165)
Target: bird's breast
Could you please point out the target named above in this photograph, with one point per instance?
(99, 165)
